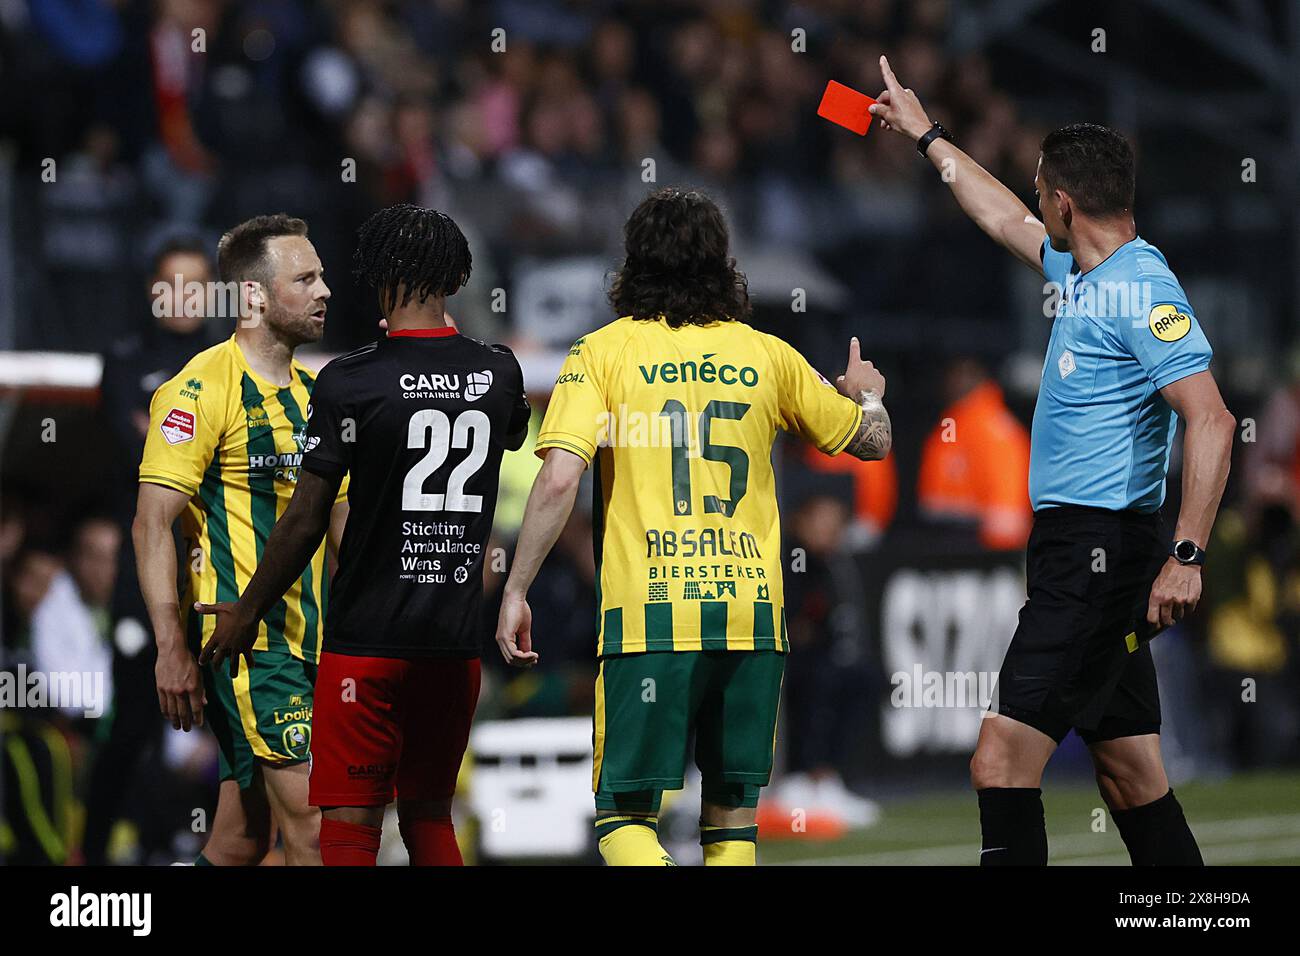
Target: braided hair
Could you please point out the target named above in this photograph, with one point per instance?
(421, 251)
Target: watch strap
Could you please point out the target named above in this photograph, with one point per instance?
(929, 136)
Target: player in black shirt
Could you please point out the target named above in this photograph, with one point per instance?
(420, 419)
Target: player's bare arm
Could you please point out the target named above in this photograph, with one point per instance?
(992, 206)
(291, 544)
(180, 686)
(338, 521)
(1207, 456)
(863, 383)
(875, 435)
(549, 504)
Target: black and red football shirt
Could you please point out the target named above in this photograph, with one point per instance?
(420, 420)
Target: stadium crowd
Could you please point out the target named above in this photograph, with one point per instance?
(532, 122)
(537, 124)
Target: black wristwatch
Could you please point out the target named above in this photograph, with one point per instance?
(934, 132)
(1186, 551)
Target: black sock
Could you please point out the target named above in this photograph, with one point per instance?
(1157, 834)
(1011, 819)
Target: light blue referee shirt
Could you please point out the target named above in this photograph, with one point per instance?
(1123, 330)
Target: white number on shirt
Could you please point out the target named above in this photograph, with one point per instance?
(442, 436)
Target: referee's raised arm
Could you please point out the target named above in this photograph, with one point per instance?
(992, 206)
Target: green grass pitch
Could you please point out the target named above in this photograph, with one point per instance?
(1246, 819)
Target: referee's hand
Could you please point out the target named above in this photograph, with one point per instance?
(1175, 592)
(898, 108)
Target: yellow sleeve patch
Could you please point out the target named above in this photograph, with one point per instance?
(1168, 324)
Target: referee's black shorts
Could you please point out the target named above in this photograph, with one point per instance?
(1071, 662)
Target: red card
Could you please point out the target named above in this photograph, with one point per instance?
(847, 107)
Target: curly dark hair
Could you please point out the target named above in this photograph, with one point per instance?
(677, 265)
(420, 250)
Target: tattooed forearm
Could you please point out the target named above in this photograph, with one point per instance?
(875, 435)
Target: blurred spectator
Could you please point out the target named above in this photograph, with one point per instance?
(30, 576)
(70, 645)
(827, 668)
(135, 367)
(975, 464)
(37, 822)
(874, 486)
(70, 627)
(86, 239)
(36, 769)
(1272, 462)
(173, 332)
(1253, 624)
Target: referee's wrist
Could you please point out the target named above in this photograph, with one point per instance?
(935, 131)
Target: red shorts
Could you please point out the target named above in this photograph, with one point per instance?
(385, 727)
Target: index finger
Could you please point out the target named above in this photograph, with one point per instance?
(891, 81)
(205, 608)
(855, 351)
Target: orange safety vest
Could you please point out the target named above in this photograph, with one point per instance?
(975, 466)
(875, 484)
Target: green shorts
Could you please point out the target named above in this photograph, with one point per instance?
(649, 704)
(263, 714)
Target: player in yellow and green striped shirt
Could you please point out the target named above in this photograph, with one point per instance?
(676, 407)
(225, 442)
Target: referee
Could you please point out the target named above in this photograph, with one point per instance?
(1126, 354)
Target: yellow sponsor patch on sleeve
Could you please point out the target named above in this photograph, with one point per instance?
(1168, 324)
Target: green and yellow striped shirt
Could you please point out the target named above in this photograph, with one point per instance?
(679, 425)
(233, 442)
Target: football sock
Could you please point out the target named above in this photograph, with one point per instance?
(348, 844)
(729, 846)
(631, 841)
(431, 841)
(1157, 834)
(1011, 820)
